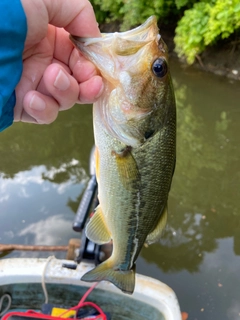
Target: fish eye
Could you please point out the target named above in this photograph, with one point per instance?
(160, 67)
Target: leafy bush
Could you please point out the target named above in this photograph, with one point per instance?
(189, 39)
(223, 21)
(134, 12)
(107, 10)
(204, 24)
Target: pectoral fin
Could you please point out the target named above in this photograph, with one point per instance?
(127, 167)
(155, 235)
(96, 229)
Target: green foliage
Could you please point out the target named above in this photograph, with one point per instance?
(107, 10)
(204, 24)
(184, 3)
(223, 21)
(134, 12)
(189, 39)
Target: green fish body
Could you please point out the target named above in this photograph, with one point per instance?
(135, 138)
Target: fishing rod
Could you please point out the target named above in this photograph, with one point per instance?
(88, 249)
(87, 198)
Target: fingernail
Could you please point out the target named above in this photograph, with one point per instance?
(37, 103)
(100, 92)
(62, 81)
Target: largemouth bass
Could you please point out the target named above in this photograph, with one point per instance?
(135, 138)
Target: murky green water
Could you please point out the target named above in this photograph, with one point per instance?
(44, 169)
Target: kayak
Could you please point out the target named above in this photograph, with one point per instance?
(32, 283)
(51, 289)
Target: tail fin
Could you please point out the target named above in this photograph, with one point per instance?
(124, 280)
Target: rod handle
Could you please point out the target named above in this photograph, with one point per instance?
(84, 206)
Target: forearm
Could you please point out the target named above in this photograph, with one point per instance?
(13, 30)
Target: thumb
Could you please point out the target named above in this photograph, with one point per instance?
(76, 16)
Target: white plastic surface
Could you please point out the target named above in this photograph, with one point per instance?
(31, 270)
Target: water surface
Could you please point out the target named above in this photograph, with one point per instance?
(44, 170)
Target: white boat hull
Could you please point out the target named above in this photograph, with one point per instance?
(149, 292)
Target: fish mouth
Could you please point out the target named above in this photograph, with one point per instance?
(123, 43)
(122, 58)
(136, 34)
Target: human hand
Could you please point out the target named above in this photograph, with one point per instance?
(55, 76)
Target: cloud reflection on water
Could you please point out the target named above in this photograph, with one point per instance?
(51, 231)
(27, 208)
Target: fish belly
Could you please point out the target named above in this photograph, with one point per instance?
(131, 209)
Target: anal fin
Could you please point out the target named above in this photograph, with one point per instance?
(96, 229)
(155, 235)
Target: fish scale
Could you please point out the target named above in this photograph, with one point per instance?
(135, 137)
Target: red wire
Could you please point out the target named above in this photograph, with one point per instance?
(87, 293)
(94, 305)
(82, 304)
